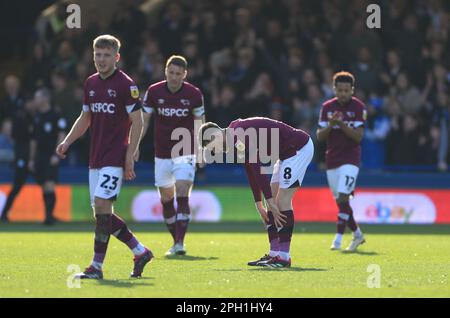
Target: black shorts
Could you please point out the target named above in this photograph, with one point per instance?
(44, 171)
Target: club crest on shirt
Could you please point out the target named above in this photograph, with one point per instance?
(111, 92)
(161, 101)
(134, 91)
(91, 93)
(185, 102)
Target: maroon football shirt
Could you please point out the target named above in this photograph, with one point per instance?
(109, 101)
(289, 141)
(341, 149)
(171, 111)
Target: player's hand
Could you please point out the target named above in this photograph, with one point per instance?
(278, 218)
(129, 168)
(336, 119)
(262, 211)
(61, 150)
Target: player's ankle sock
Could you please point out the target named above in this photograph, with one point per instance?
(103, 226)
(49, 202)
(357, 232)
(183, 217)
(347, 209)
(169, 214)
(121, 232)
(273, 253)
(284, 256)
(97, 265)
(285, 233)
(273, 236)
(338, 238)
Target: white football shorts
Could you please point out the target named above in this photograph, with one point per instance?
(342, 179)
(291, 171)
(105, 183)
(168, 171)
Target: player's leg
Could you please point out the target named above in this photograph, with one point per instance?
(183, 189)
(291, 175)
(20, 177)
(111, 179)
(165, 183)
(346, 185)
(272, 233)
(184, 173)
(101, 202)
(333, 180)
(167, 195)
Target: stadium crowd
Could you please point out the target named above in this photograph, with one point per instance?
(265, 58)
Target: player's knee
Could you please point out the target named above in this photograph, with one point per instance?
(183, 188)
(102, 206)
(342, 199)
(284, 200)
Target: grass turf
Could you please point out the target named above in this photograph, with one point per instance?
(413, 262)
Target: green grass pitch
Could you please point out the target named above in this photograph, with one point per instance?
(413, 261)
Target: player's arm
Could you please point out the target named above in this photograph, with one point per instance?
(137, 124)
(263, 183)
(325, 126)
(80, 126)
(147, 111)
(199, 119)
(355, 134)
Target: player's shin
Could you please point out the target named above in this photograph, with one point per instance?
(285, 235)
(169, 214)
(183, 217)
(273, 236)
(103, 227)
(122, 233)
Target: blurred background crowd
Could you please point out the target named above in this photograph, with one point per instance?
(273, 58)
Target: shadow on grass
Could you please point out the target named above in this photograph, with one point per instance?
(290, 269)
(263, 269)
(362, 253)
(230, 227)
(125, 283)
(190, 258)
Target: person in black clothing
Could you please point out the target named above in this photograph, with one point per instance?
(48, 131)
(22, 122)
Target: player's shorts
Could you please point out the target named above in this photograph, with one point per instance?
(291, 171)
(44, 171)
(342, 179)
(168, 171)
(105, 183)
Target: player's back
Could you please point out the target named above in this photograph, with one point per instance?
(290, 139)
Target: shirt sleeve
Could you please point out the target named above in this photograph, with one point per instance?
(199, 109)
(147, 104)
(131, 98)
(361, 117)
(85, 98)
(323, 118)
